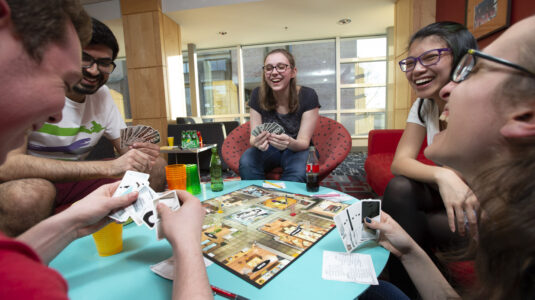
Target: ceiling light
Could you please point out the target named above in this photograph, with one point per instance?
(344, 21)
(222, 33)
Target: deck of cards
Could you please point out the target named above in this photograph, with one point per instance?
(269, 127)
(139, 134)
(143, 210)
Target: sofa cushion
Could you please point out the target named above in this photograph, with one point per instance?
(378, 174)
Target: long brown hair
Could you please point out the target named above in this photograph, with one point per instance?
(505, 254)
(267, 100)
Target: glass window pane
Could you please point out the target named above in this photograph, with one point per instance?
(371, 47)
(359, 124)
(363, 98)
(218, 82)
(363, 73)
(186, 82)
(118, 84)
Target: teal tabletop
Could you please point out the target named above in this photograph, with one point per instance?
(127, 275)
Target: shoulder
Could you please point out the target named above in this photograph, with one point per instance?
(305, 91)
(254, 99)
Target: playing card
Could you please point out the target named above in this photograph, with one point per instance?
(132, 181)
(171, 200)
(139, 134)
(139, 208)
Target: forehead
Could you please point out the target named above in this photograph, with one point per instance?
(419, 46)
(99, 51)
(276, 58)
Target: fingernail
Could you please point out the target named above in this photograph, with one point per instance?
(368, 220)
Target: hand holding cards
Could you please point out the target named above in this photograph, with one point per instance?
(143, 210)
(139, 134)
(350, 222)
(269, 127)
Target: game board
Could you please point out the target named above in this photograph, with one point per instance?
(256, 232)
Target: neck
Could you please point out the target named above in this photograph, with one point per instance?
(282, 96)
(76, 97)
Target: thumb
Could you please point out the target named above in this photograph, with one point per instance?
(372, 223)
(163, 210)
(125, 200)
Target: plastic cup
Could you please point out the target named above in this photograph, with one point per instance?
(109, 239)
(176, 177)
(171, 141)
(193, 184)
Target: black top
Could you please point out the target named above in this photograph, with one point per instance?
(308, 99)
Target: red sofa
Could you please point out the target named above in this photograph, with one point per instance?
(382, 144)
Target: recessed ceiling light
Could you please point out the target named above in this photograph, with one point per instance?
(222, 33)
(344, 21)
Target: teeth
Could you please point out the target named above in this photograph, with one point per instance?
(425, 80)
(444, 117)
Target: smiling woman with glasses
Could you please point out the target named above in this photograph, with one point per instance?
(420, 195)
(295, 111)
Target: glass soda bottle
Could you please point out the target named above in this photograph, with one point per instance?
(216, 174)
(313, 169)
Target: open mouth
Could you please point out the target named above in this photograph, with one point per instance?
(423, 81)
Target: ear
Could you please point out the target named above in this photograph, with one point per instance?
(5, 13)
(521, 123)
(294, 72)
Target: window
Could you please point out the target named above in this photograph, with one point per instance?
(360, 83)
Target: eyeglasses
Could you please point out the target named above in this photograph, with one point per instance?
(280, 68)
(467, 63)
(105, 65)
(428, 58)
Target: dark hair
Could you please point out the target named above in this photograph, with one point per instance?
(267, 100)
(39, 23)
(455, 35)
(102, 35)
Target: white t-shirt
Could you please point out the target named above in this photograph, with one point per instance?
(430, 115)
(80, 129)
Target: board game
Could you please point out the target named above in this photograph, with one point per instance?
(256, 232)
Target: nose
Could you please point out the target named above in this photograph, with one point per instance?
(446, 90)
(55, 118)
(418, 67)
(93, 70)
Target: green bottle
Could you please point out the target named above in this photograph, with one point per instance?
(216, 174)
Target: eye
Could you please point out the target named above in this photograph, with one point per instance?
(430, 57)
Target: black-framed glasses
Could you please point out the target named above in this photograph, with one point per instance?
(467, 63)
(428, 58)
(104, 65)
(280, 68)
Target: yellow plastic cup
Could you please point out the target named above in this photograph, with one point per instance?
(171, 141)
(109, 239)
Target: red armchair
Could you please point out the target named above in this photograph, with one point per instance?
(382, 144)
(330, 138)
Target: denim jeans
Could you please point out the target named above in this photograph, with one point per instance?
(384, 291)
(255, 163)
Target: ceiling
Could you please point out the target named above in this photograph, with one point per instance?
(248, 22)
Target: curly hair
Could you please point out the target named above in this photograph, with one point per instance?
(39, 23)
(267, 100)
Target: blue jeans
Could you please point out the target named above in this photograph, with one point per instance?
(384, 291)
(255, 163)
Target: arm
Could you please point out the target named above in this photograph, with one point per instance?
(260, 141)
(456, 195)
(182, 228)
(21, 165)
(424, 274)
(88, 215)
(306, 130)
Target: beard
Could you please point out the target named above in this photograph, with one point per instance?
(84, 89)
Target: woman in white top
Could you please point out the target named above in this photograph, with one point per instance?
(426, 200)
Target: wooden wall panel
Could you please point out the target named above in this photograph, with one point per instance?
(147, 95)
(142, 40)
(140, 6)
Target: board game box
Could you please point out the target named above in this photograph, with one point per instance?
(256, 232)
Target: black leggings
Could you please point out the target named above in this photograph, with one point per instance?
(419, 209)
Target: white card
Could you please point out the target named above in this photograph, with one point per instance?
(349, 225)
(349, 267)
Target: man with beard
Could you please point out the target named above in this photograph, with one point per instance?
(49, 171)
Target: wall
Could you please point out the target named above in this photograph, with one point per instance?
(454, 10)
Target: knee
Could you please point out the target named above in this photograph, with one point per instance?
(247, 159)
(24, 203)
(398, 191)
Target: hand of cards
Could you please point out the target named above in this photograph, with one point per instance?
(143, 210)
(269, 127)
(350, 222)
(139, 134)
